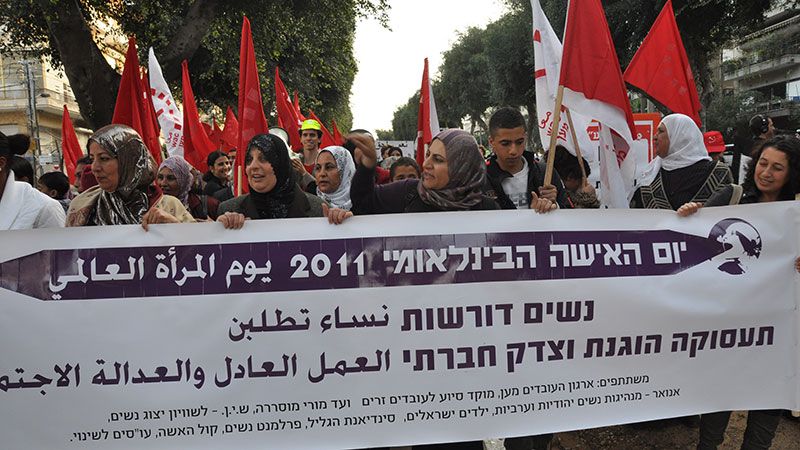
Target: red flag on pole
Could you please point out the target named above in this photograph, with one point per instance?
(592, 86)
(252, 120)
(590, 71)
(327, 137)
(427, 119)
(130, 108)
(287, 114)
(230, 134)
(70, 147)
(337, 136)
(660, 68)
(196, 144)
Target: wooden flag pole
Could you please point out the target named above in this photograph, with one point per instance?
(577, 147)
(238, 175)
(551, 153)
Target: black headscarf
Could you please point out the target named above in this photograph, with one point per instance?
(276, 203)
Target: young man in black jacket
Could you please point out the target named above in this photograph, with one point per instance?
(513, 173)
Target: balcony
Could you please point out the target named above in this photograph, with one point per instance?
(777, 107)
(749, 67)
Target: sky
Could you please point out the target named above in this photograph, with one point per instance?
(390, 62)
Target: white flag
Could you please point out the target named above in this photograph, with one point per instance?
(170, 117)
(547, 63)
(616, 179)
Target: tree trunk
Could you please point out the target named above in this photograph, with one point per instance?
(188, 37)
(93, 81)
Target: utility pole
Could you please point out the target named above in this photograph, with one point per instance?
(33, 119)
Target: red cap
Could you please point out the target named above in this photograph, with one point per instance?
(714, 142)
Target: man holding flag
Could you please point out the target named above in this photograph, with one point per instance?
(515, 178)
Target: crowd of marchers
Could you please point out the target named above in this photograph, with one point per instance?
(118, 183)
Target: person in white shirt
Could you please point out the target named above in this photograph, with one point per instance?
(21, 205)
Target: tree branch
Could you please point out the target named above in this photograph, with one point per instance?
(188, 37)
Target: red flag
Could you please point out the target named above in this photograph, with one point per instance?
(252, 120)
(230, 134)
(590, 71)
(70, 147)
(216, 133)
(327, 137)
(130, 108)
(196, 144)
(337, 136)
(593, 87)
(207, 128)
(660, 68)
(287, 114)
(427, 119)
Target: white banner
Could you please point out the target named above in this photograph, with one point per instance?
(444, 327)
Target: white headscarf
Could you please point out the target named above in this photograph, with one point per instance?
(686, 147)
(340, 198)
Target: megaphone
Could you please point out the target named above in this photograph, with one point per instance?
(284, 136)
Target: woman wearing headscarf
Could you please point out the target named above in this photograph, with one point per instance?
(274, 193)
(453, 174)
(682, 170)
(333, 173)
(175, 178)
(217, 179)
(21, 206)
(774, 175)
(125, 193)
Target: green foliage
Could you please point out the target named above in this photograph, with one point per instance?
(311, 41)
(494, 66)
(465, 64)
(728, 112)
(385, 135)
(404, 122)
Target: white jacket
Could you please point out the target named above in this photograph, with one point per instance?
(22, 207)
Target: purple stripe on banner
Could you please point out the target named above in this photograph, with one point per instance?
(351, 263)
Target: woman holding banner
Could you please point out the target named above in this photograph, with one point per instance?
(453, 174)
(333, 173)
(125, 193)
(774, 175)
(682, 171)
(175, 178)
(274, 193)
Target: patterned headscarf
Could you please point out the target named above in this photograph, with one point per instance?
(340, 198)
(129, 202)
(466, 170)
(686, 147)
(274, 204)
(183, 174)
